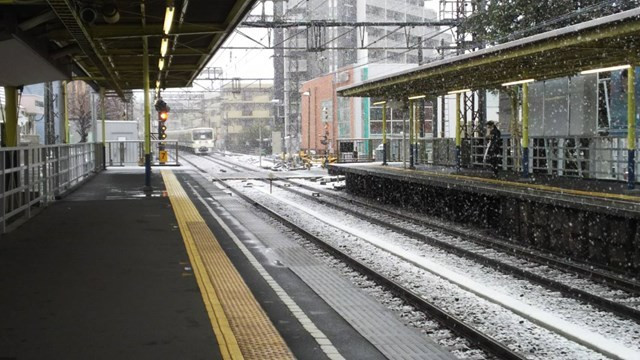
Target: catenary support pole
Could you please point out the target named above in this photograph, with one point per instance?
(147, 115)
(525, 130)
(631, 127)
(458, 138)
(11, 121)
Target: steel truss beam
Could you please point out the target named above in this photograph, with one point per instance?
(66, 13)
(330, 23)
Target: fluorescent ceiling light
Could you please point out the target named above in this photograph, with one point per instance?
(161, 64)
(612, 68)
(168, 19)
(459, 91)
(417, 97)
(380, 103)
(518, 82)
(164, 46)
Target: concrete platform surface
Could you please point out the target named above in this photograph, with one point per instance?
(102, 274)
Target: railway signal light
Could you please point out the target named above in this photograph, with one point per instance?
(162, 131)
(163, 116)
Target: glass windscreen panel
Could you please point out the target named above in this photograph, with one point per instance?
(202, 134)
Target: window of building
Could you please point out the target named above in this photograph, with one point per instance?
(374, 10)
(344, 117)
(396, 57)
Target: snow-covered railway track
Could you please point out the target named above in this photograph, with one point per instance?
(608, 299)
(523, 336)
(513, 322)
(558, 327)
(447, 319)
(606, 277)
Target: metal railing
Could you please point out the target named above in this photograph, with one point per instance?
(30, 177)
(595, 157)
(131, 152)
(367, 150)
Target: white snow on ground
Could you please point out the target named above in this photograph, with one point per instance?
(539, 314)
(570, 279)
(529, 311)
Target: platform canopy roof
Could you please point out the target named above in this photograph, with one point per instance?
(48, 40)
(609, 41)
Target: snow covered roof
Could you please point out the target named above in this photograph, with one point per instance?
(607, 41)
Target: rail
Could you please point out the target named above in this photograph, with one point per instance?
(31, 177)
(589, 157)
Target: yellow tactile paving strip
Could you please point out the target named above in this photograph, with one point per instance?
(241, 327)
(524, 185)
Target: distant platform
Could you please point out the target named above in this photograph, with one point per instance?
(584, 219)
(608, 196)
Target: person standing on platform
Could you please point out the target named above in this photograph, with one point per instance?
(494, 147)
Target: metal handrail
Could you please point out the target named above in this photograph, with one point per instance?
(596, 157)
(31, 177)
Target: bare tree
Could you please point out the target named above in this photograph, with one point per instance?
(79, 108)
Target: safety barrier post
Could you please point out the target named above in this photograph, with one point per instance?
(525, 130)
(458, 138)
(631, 127)
(178, 155)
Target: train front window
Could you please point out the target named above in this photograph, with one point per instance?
(202, 135)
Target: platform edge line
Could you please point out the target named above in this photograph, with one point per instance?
(227, 342)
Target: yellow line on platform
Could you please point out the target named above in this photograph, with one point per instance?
(242, 328)
(521, 185)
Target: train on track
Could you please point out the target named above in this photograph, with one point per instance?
(197, 140)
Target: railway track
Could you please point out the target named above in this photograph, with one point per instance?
(393, 222)
(347, 206)
(451, 322)
(448, 320)
(605, 277)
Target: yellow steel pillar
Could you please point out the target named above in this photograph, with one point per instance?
(104, 130)
(411, 134)
(458, 137)
(11, 120)
(416, 128)
(525, 130)
(147, 116)
(631, 127)
(384, 133)
(65, 110)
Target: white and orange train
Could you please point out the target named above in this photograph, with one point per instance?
(197, 140)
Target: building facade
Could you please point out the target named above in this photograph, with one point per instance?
(320, 51)
(245, 112)
(328, 117)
